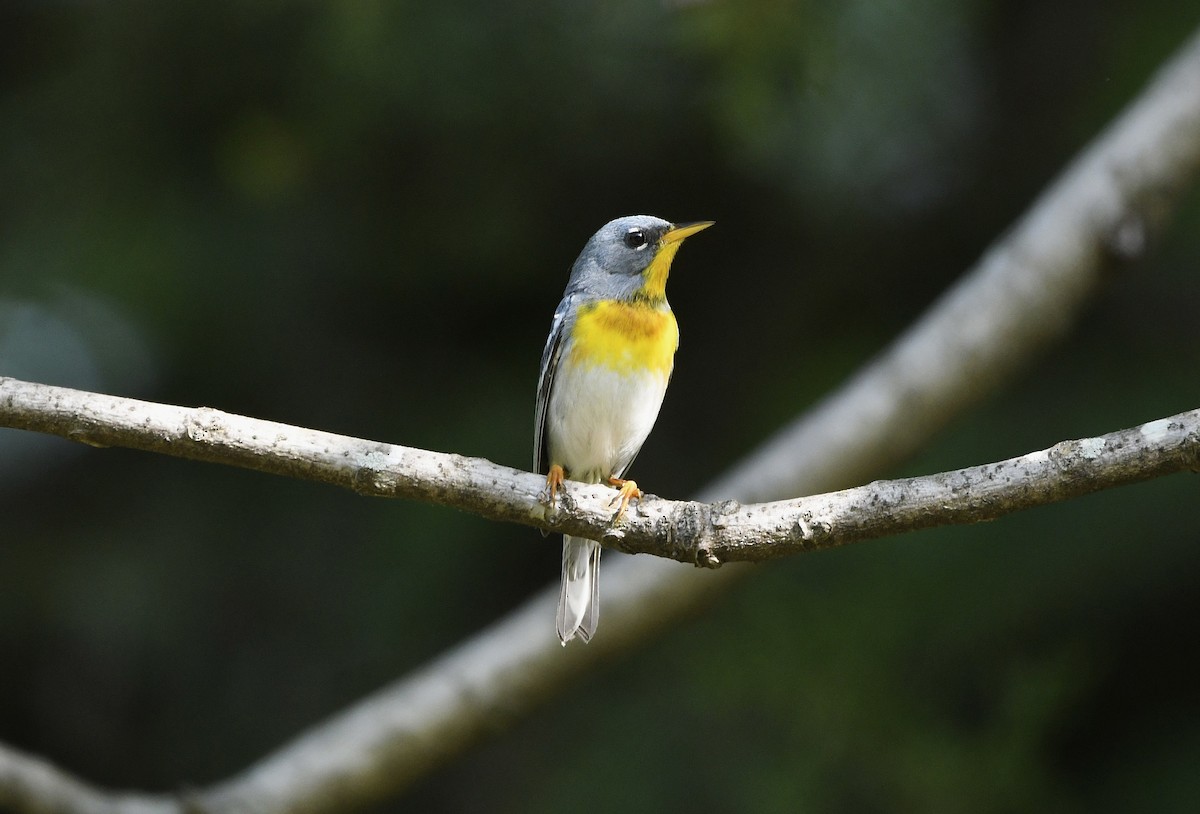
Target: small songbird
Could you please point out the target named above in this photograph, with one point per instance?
(604, 372)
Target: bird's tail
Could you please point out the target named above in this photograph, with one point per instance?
(579, 599)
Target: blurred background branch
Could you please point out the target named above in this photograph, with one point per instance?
(360, 217)
(29, 784)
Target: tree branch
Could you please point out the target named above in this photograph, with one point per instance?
(1104, 210)
(707, 534)
(31, 785)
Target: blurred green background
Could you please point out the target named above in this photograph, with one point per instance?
(359, 217)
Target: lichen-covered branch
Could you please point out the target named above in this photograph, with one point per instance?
(707, 534)
(731, 532)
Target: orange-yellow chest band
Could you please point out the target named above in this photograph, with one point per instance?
(627, 337)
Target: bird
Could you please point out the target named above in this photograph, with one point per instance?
(604, 372)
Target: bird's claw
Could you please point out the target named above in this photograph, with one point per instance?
(554, 481)
(628, 490)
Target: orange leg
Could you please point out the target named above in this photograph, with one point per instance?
(628, 490)
(554, 481)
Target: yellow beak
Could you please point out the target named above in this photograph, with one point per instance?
(679, 231)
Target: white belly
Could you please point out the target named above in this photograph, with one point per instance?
(599, 418)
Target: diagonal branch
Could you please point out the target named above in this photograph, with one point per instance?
(1104, 210)
(707, 534)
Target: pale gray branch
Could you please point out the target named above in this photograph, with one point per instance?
(708, 534)
(1104, 210)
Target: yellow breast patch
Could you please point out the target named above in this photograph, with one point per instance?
(625, 337)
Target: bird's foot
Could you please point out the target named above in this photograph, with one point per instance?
(628, 490)
(554, 482)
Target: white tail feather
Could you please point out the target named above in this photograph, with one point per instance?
(579, 598)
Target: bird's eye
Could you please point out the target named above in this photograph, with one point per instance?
(635, 238)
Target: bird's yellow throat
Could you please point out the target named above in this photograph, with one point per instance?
(625, 336)
(654, 289)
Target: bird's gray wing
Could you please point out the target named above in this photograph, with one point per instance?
(550, 357)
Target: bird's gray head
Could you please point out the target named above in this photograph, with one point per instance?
(630, 257)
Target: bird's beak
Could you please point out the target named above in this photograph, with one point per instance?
(681, 230)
